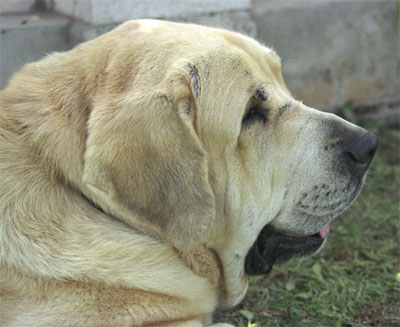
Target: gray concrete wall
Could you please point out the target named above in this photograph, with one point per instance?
(333, 51)
(12, 6)
(103, 12)
(26, 38)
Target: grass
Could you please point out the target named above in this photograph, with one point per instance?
(355, 280)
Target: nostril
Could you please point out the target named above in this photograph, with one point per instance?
(352, 156)
(364, 159)
(363, 151)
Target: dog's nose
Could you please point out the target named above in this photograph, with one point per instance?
(361, 148)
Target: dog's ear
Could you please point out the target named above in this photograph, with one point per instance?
(144, 160)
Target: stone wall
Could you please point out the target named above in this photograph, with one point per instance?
(334, 51)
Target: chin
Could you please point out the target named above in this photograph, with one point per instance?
(232, 300)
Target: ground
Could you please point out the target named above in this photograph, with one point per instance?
(355, 280)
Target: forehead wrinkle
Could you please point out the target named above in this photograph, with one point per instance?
(255, 93)
(285, 107)
(258, 92)
(259, 58)
(261, 93)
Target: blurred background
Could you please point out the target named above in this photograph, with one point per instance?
(338, 56)
(334, 52)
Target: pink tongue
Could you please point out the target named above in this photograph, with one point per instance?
(324, 231)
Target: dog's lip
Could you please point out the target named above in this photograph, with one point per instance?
(276, 246)
(295, 242)
(323, 233)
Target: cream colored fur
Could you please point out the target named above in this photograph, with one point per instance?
(130, 191)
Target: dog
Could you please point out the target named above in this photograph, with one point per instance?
(147, 173)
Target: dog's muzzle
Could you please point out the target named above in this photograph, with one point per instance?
(357, 149)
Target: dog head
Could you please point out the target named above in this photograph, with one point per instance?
(194, 137)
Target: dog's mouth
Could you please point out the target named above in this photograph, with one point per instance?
(272, 247)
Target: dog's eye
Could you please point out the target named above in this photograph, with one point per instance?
(255, 114)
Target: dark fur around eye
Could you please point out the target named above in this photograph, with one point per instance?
(255, 114)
